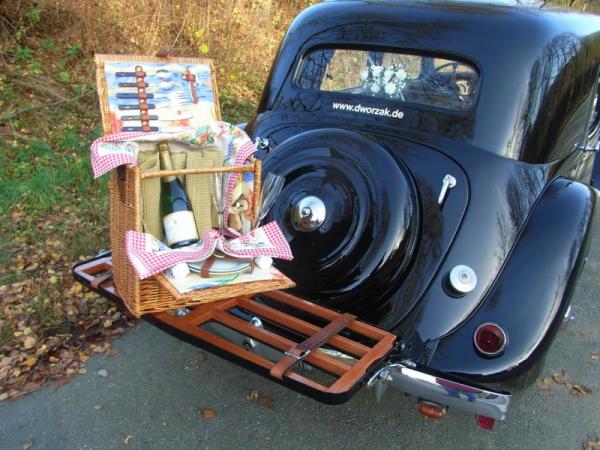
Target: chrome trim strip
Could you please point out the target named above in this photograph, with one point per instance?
(446, 390)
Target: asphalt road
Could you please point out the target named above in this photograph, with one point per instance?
(156, 389)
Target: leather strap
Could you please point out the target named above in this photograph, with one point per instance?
(140, 80)
(191, 79)
(96, 282)
(301, 350)
(205, 271)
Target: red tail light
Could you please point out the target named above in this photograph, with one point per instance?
(490, 339)
(485, 422)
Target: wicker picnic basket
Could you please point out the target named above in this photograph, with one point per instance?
(157, 294)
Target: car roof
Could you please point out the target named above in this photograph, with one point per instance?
(506, 16)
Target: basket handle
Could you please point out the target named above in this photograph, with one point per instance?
(199, 170)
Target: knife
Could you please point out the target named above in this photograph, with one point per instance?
(137, 118)
(136, 106)
(138, 129)
(128, 74)
(131, 85)
(131, 95)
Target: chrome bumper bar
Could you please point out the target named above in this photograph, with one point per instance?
(443, 389)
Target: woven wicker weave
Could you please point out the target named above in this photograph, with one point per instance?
(156, 294)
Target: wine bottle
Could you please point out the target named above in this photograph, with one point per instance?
(175, 209)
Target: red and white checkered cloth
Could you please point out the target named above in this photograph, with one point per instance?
(103, 163)
(150, 256)
(220, 133)
(267, 240)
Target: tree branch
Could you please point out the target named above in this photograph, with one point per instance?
(18, 112)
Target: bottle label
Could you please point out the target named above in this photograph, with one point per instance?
(180, 226)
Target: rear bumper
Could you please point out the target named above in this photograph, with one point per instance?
(440, 388)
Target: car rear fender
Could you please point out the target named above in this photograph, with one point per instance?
(534, 289)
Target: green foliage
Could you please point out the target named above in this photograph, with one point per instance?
(47, 44)
(74, 50)
(34, 15)
(23, 54)
(239, 97)
(39, 176)
(36, 67)
(64, 77)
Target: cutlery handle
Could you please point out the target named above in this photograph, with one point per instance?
(128, 74)
(131, 95)
(138, 129)
(138, 118)
(135, 107)
(131, 85)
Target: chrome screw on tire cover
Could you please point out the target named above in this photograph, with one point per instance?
(462, 279)
(308, 214)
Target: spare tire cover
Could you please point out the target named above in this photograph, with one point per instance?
(354, 242)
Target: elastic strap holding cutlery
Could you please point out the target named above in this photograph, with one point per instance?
(140, 81)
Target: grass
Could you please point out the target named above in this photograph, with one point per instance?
(52, 212)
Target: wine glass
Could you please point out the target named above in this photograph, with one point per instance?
(220, 196)
(272, 185)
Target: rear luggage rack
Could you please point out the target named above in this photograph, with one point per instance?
(309, 348)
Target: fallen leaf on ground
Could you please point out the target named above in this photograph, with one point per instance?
(208, 413)
(260, 398)
(560, 377)
(31, 361)
(27, 445)
(97, 407)
(544, 384)
(579, 390)
(201, 356)
(127, 439)
(29, 342)
(591, 445)
(596, 356)
(574, 388)
(113, 352)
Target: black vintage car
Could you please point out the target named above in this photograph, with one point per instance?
(438, 158)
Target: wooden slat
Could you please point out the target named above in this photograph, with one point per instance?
(216, 340)
(346, 345)
(235, 350)
(198, 314)
(318, 360)
(348, 375)
(320, 311)
(349, 379)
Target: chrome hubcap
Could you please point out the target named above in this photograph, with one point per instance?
(308, 214)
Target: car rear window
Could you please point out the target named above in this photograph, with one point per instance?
(426, 80)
